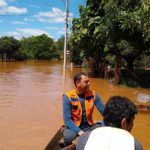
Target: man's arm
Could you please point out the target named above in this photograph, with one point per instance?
(67, 116)
(138, 145)
(99, 104)
(81, 141)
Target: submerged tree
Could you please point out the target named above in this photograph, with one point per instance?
(8, 47)
(117, 28)
(39, 47)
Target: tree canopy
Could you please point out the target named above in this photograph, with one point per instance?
(8, 47)
(117, 28)
(39, 47)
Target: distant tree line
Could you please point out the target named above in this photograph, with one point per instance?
(39, 47)
(116, 32)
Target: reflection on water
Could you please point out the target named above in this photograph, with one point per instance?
(30, 103)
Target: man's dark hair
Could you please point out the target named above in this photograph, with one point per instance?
(77, 77)
(116, 109)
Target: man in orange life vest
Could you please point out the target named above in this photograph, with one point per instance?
(78, 105)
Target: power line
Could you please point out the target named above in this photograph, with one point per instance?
(56, 10)
(64, 3)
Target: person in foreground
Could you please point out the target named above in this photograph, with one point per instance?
(118, 118)
(78, 105)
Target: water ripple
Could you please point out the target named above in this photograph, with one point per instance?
(143, 98)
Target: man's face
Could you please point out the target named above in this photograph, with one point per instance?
(84, 84)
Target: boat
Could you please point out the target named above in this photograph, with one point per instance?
(54, 143)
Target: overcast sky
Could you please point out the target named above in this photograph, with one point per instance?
(24, 18)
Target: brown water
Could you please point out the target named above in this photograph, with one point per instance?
(30, 103)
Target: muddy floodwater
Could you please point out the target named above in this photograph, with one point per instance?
(31, 104)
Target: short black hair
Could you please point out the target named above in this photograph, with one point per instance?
(77, 77)
(116, 109)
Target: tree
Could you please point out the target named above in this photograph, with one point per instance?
(8, 47)
(59, 44)
(43, 47)
(117, 28)
(127, 39)
(39, 47)
(26, 48)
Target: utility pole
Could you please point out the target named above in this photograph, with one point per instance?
(65, 46)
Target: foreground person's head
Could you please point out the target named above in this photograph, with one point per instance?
(119, 112)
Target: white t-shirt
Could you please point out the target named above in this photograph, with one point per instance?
(109, 138)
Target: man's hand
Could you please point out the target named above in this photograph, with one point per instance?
(80, 133)
(77, 138)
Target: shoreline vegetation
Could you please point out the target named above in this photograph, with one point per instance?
(114, 38)
(139, 77)
(39, 47)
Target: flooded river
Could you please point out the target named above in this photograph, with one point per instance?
(31, 106)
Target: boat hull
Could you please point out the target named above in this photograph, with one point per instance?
(54, 143)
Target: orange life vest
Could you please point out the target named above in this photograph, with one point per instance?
(76, 108)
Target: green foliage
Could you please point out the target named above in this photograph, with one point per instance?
(118, 28)
(8, 47)
(110, 59)
(26, 48)
(143, 80)
(43, 47)
(59, 44)
(39, 47)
